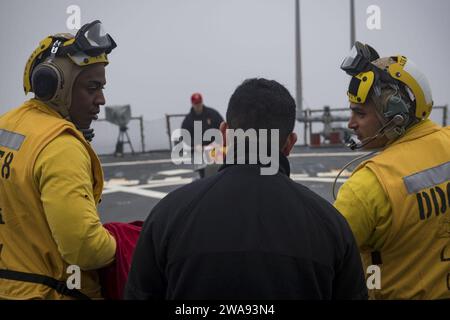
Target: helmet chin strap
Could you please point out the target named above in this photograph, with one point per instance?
(64, 112)
(87, 133)
(63, 99)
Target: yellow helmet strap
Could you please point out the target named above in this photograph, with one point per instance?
(359, 86)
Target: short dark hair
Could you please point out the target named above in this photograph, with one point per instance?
(259, 103)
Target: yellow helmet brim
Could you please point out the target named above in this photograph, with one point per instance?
(81, 59)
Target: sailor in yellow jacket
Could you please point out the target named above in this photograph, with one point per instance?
(51, 179)
(398, 202)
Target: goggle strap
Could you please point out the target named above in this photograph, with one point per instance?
(354, 86)
(373, 53)
(54, 51)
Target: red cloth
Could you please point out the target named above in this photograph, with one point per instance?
(114, 276)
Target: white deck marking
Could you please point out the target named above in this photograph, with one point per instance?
(120, 182)
(175, 172)
(317, 179)
(136, 190)
(334, 173)
(143, 189)
(294, 155)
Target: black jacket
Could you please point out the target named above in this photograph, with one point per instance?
(242, 235)
(210, 119)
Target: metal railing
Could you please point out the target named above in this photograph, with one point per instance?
(308, 118)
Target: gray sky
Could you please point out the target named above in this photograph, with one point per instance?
(168, 49)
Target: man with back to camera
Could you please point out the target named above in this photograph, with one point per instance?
(397, 203)
(242, 235)
(51, 178)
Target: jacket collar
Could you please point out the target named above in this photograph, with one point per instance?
(284, 166)
(419, 130)
(42, 106)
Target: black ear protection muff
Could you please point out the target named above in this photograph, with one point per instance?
(45, 80)
(397, 110)
(46, 77)
(395, 105)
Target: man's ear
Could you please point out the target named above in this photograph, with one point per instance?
(223, 130)
(289, 144)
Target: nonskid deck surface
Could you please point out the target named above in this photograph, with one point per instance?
(135, 183)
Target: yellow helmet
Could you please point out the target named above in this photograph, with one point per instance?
(367, 70)
(52, 68)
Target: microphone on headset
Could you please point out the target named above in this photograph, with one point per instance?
(354, 144)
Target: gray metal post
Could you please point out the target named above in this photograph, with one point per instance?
(298, 62)
(141, 122)
(352, 23)
(168, 131)
(444, 120)
(305, 128)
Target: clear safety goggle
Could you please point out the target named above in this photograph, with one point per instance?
(359, 60)
(91, 40)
